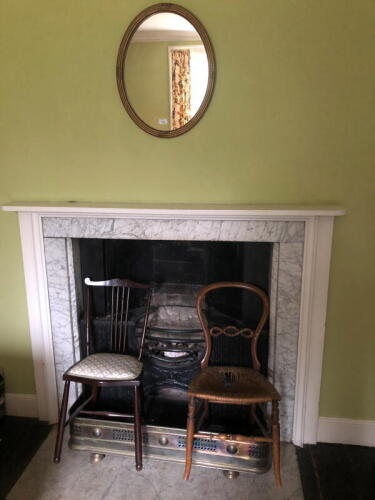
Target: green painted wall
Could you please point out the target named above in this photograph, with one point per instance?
(291, 121)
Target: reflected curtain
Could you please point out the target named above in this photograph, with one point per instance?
(181, 87)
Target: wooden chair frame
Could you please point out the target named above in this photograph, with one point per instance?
(120, 296)
(198, 391)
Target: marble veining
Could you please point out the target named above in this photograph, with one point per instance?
(60, 238)
(174, 229)
(73, 277)
(287, 316)
(290, 272)
(273, 287)
(60, 308)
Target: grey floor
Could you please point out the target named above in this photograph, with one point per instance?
(115, 478)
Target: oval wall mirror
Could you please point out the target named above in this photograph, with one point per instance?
(165, 70)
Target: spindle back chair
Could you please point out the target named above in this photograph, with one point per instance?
(119, 302)
(113, 367)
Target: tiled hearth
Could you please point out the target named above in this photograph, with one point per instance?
(301, 240)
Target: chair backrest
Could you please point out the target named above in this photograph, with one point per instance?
(230, 331)
(119, 298)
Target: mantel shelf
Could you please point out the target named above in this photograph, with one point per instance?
(176, 210)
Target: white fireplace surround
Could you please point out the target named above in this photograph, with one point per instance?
(301, 237)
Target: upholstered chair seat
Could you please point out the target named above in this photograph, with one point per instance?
(107, 366)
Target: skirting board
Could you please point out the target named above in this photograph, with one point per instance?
(346, 431)
(21, 405)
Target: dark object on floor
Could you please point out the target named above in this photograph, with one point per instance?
(337, 472)
(20, 438)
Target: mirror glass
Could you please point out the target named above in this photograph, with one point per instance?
(166, 72)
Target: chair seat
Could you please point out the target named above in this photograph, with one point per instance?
(227, 384)
(107, 366)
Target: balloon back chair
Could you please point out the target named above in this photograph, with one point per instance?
(113, 367)
(234, 385)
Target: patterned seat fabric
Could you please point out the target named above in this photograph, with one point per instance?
(107, 366)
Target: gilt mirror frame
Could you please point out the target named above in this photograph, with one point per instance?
(120, 67)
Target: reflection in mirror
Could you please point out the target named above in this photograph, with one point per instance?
(166, 71)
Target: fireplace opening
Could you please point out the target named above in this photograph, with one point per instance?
(175, 342)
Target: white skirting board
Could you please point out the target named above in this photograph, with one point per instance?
(346, 431)
(21, 405)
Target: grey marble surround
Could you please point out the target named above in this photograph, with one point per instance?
(286, 278)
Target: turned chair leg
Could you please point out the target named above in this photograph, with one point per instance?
(137, 428)
(61, 424)
(189, 437)
(95, 391)
(276, 442)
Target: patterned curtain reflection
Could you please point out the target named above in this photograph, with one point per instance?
(181, 87)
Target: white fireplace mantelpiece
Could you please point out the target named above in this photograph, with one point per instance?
(304, 238)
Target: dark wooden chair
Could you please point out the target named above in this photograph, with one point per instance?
(113, 368)
(234, 385)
